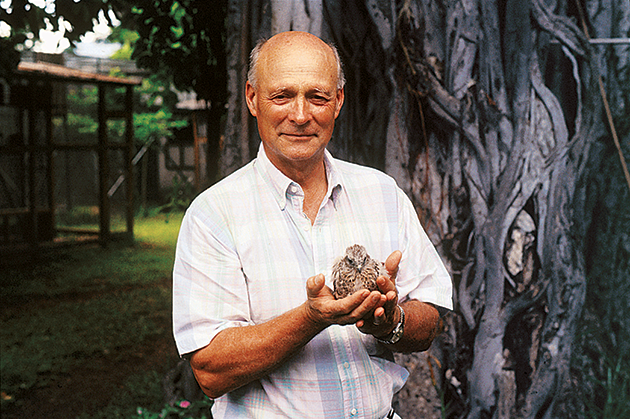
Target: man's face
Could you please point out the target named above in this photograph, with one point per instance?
(296, 100)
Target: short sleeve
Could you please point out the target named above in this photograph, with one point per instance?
(209, 288)
(422, 274)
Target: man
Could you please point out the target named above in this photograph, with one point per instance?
(253, 307)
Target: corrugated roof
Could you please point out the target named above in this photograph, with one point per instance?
(70, 74)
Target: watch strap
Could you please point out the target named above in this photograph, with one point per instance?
(395, 335)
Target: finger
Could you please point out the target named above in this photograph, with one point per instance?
(379, 299)
(385, 285)
(377, 324)
(373, 300)
(323, 307)
(378, 316)
(388, 288)
(391, 264)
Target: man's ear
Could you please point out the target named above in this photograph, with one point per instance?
(340, 98)
(250, 96)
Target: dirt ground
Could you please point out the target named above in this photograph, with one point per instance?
(418, 399)
(90, 388)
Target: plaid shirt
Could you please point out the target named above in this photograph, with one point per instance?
(244, 253)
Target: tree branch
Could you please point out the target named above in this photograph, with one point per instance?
(561, 27)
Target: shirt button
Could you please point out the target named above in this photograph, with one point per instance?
(353, 412)
(346, 365)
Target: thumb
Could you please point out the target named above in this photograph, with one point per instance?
(391, 264)
(314, 285)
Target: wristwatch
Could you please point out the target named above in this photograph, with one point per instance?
(396, 334)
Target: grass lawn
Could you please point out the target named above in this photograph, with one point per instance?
(86, 331)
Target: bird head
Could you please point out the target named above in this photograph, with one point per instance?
(356, 256)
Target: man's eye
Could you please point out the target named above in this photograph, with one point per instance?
(319, 100)
(280, 98)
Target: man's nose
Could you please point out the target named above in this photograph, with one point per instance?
(299, 112)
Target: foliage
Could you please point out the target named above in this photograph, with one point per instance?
(127, 38)
(26, 18)
(185, 39)
(82, 124)
(180, 195)
(199, 409)
(155, 125)
(9, 59)
(154, 118)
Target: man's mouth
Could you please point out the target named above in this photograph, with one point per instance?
(298, 136)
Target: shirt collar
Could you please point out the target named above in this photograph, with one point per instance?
(335, 180)
(280, 183)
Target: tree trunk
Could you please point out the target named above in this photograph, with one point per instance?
(485, 112)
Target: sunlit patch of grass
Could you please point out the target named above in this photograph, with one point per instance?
(82, 269)
(159, 230)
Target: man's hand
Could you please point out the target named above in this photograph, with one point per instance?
(323, 309)
(385, 316)
(381, 315)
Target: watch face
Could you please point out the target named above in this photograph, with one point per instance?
(397, 333)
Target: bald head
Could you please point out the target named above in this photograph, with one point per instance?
(295, 93)
(287, 42)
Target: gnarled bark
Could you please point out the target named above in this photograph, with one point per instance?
(487, 125)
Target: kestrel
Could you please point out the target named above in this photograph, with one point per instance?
(355, 271)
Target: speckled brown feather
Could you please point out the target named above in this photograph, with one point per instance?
(354, 271)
